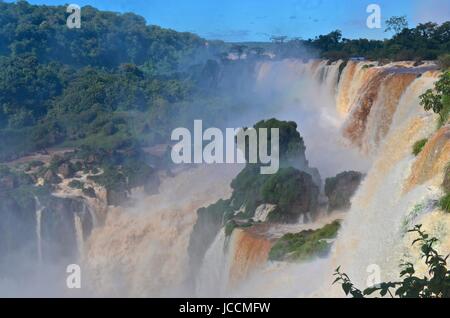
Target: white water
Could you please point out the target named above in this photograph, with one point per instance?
(39, 209)
(262, 212)
(374, 229)
(213, 277)
(299, 92)
(143, 251)
(79, 234)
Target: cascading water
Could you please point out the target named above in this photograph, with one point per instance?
(39, 210)
(298, 92)
(383, 117)
(142, 250)
(79, 234)
(213, 277)
(374, 226)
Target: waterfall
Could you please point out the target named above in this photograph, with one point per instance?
(383, 118)
(302, 94)
(79, 234)
(229, 261)
(263, 211)
(142, 251)
(373, 231)
(362, 117)
(39, 210)
(249, 253)
(213, 277)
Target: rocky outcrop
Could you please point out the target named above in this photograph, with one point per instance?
(341, 188)
(282, 197)
(21, 227)
(209, 221)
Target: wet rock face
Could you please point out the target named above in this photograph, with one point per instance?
(341, 188)
(19, 229)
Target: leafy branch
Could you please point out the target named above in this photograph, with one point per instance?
(437, 285)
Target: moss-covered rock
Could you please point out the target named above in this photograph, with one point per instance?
(293, 192)
(291, 146)
(304, 245)
(341, 188)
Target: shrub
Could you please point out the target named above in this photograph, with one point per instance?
(438, 99)
(418, 146)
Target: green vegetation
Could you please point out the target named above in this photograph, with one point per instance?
(444, 203)
(426, 41)
(438, 99)
(436, 285)
(293, 192)
(396, 24)
(84, 87)
(304, 245)
(291, 144)
(418, 146)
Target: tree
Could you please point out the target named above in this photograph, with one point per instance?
(437, 285)
(396, 24)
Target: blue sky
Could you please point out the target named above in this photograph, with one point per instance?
(257, 20)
